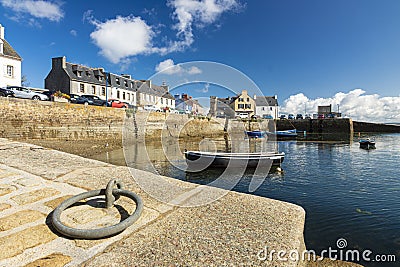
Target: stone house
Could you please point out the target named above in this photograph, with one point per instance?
(77, 79)
(187, 103)
(10, 63)
(243, 104)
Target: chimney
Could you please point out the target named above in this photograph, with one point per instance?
(1, 39)
(255, 97)
(59, 62)
(1, 32)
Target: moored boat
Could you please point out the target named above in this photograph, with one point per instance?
(286, 133)
(256, 134)
(367, 143)
(200, 160)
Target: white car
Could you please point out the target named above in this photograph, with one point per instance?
(242, 115)
(151, 108)
(22, 92)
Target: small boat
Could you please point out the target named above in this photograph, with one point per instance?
(256, 134)
(286, 133)
(200, 160)
(367, 143)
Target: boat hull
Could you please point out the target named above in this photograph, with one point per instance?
(366, 144)
(198, 161)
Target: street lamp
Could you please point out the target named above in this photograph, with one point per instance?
(106, 87)
(338, 108)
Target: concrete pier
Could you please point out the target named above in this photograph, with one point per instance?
(230, 231)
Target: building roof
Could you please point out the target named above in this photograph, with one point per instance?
(266, 101)
(8, 51)
(82, 73)
(143, 87)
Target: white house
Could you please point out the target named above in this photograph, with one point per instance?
(10, 63)
(266, 106)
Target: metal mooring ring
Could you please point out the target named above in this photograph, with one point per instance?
(110, 195)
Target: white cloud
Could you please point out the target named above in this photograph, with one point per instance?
(39, 9)
(196, 12)
(355, 104)
(122, 37)
(73, 33)
(168, 67)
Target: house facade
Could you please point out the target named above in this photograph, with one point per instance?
(243, 104)
(77, 79)
(10, 63)
(154, 95)
(266, 106)
(188, 104)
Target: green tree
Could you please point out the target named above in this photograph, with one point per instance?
(24, 81)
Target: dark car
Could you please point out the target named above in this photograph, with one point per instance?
(5, 92)
(50, 94)
(87, 99)
(299, 116)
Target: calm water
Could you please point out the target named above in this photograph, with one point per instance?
(347, 192)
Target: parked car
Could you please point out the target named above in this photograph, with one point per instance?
(307, 116)
(49, 94)
(299, 116)
(115, 103)
(291, 117)
(22, 92)
(321, 116)
(87, 99)
(151, 108)
(6, 92)
(331, 116)
(282, 117)
(269, 117)
(242, 115)
(97, 101)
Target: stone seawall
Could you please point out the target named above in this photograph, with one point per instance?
(26, 119)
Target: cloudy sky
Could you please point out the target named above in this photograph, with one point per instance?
(308, 52)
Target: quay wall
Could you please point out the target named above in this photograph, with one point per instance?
(26, 119)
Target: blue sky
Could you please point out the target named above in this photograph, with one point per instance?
(305, 51)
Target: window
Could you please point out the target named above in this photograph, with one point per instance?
(248, 106)
(117, 80)
(126, 83)
(100, 78)
(103, 91)
(162, 100)
(248, 99)
(118, 94)
(129, 96)
(93, 90)
(88, 73)
(241, 106)
(241, 99)
(123, 95)
(10, 71)
(270, 108)
(82, 88)
(79, 73)
(263, 108)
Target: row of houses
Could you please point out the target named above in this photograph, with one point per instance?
(243, 105)
(71, 78)
(76, 79)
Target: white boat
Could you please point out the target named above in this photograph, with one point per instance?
(200, 160)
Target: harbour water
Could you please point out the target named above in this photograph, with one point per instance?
(348, 193)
